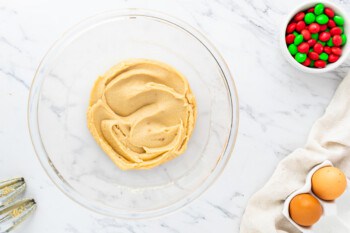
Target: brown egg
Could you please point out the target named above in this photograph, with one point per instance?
(305, 209)
(328, 183)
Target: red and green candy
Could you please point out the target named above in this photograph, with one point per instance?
(315, 37)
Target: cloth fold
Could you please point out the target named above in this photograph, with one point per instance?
(329, 139)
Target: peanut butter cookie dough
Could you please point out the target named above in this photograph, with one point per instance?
(141, 113)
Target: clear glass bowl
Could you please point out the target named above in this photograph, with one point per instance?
(59, 100)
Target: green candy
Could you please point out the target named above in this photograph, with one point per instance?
(321, 42)
(293, 49)
(314, 36)
(312, 64)
(319, 8)
(295, 34)
(322, 19)
(342, 29)
(300, 57)
(343, 39)
(330, 42)
(338, 20)
(298, 39)
(309, 18)
(323, 56)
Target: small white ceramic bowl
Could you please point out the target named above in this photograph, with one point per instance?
(346, 48)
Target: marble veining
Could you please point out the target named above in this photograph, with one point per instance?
(278, 105)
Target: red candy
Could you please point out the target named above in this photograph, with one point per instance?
(313, 56)
(333, 58)
(307, 62)
(313, 28)
(303, 47)
(311, 42)
(290, 39)
(323, 27)
(335, 31)
(291, 27)
(300, 26)
(318, 48)
(306, 34)
(300, 16)
(327, 50)
(329, 12)
(331, 23)
(312, 10)
(324, 36)
(320, 64)
(336, 51)
(337, 41)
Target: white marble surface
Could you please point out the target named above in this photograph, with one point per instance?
(278, 105)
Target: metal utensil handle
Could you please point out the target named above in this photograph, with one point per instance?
(13, 214)
(11, 189)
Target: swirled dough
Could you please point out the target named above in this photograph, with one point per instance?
(142, 113)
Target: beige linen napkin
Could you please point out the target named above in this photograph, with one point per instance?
(329, 139)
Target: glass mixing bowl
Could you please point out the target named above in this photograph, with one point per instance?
(59, 100)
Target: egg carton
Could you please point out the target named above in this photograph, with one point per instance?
(336, 214)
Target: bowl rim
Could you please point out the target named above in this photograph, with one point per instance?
(70, 192)
(284, 48)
